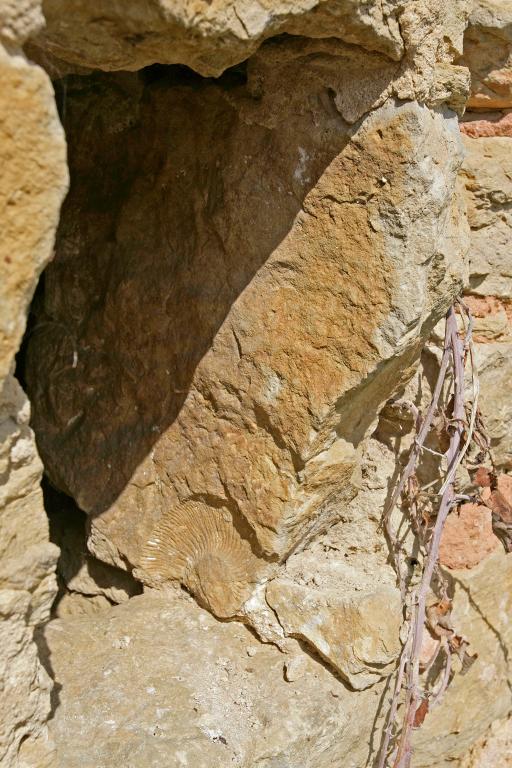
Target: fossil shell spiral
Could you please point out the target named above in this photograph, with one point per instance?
(199, 546)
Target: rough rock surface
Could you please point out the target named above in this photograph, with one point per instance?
(493, 749)
(32, 183)
(488, 54)
(252, 389)
(245, 271)
(78, 572)
(209, 37)
(172, 686)
(482, 695)
(487, 176)
(338, 596)
(27, 581)
(137, 682)
(356, 633)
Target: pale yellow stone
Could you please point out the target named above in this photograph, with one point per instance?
(493, 749)
(356, 631)
(159, 679)
(482, 610)
(32, 185)
(487, 177)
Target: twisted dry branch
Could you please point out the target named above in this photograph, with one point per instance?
(408, 674)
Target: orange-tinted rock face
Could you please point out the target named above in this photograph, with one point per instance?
(492, 318)
(489, 124)
(467, 537)
(504, 486)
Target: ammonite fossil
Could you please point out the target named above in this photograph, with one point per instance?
(199, 546)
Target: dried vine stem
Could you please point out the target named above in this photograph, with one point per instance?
(408, 674)
(413, 460)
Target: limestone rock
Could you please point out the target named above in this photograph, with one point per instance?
(200, 547)
(245, 319)
(355, 629)
(493, 336)
(495, 367)
(482, 605)
(212, 37)
(27, 580)
(19, 19)
(32, 183)
(295, 668)
(137, 682)
(79, 573)
(488, 54)
(206, 37)
(487, 175)
(338, 595)
(493, 362)
(494, 748)
(492, 318)
(163, 683)
(78, 604)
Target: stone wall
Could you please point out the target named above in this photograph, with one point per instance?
(265, 223)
